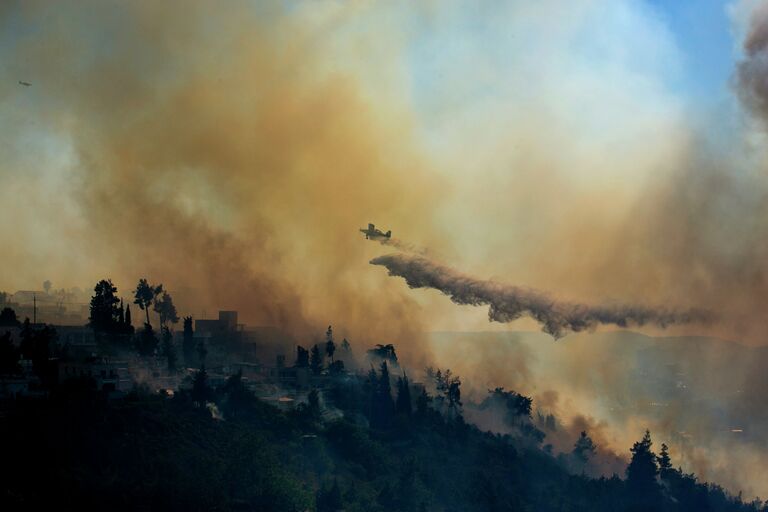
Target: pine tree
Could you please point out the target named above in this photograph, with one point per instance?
(169, 351)
(313, 405)
(383, 405)
(188, 346)
(302, 357)
(641, 474)
(104, 310)
(9, 356)
(8, 318)
(330, 346)
(35, 345)
(201, 392)
(238, 395)
(147, 341)
(146, 294)
(202, 352)
(422, 402)
(449, 389)
(336, 367)
(385, 352)
(664, 461)
(583, 449)
(165, 309)
(403, 403)
(316, 360)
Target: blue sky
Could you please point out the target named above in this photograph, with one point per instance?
(687, 45)
(702, 31)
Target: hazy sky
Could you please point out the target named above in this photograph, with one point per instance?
(568, 146)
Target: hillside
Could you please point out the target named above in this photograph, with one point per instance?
(154, 452)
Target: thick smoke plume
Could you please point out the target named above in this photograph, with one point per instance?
(752, 71)
(220, 152)
(403, 246)
(507, 303)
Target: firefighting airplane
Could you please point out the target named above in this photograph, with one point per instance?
(372, 233)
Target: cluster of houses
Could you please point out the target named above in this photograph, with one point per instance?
(234, 348)
(54, 307)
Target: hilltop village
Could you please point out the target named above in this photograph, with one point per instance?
(107, 349)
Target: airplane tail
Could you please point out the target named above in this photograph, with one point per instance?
(388, 234)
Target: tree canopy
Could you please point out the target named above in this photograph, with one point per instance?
(104, 311)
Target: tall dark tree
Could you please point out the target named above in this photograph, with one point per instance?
(370, 387)
(516, 405)
(238, 396)
(104, 310)
(188, 346)
(422, 402)
(641, 475)
(169, 350)
(165, 309)
(302, 357)
(453, 393)
(36, 345)
(313, 405)
(448, 388)
(403, 402)
(128, 321)
(665, 462)
(121, 315)
(336, 367)
(146, 342)
(9, 356)
(47, 286)
(316, 360)
(201, 391)
(26, 334)
(202, 352)
(145, 295)
(583, 450)
(330, 346)
(8, 318)
(516, 408)
(345, 346)
(383, 406)
(385, 352)
(384, 383)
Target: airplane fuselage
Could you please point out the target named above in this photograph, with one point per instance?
(373, 233)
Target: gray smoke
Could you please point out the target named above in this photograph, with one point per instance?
(402, 246)
(507, 303)
(752, 71)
